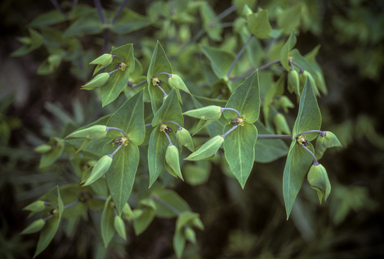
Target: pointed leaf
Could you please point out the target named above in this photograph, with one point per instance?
(129, 21)
(169, 111)
(258, 24)
(220, 60)
(289, 19)
(284, 53)
(107, 222)
(50, 157)
(158, 144)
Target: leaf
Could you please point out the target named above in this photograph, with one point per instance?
(50, 157)
(119, 79)
(107, 222)
(284, 53)
(129, 21)
(289, 19)
(258, 24)
(149, 210)
(36, 41)
(51, 225)
(169, 111)
(210, 24)
(121, 174)
(268, 150)
(159, 63)
(296, 167)
(48, 18)
(309, 117)
(86, 25)
(130, 118)
(246, 100)
(239, 148)
(157, 148)
(170, 198)
(220, 60)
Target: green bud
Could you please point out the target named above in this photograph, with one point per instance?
(239, 24)
(42, 149)
(176, 82)
(293, 82)
(246, 11)
(99, 169)
(328, 141)
(94, 132)
(54, 59)
(281, 124)
(207, 150)
(197, 223)
(303, 79)
(120, 227)
(320, 82)
(103, 60)
(97, 81)
(285, 103)
(172, 159)
(190, 235)
(35, 206)
(35, 226)
(318, 179)
(127, 211)
(185, 139)
(137, 213)
(211, 112)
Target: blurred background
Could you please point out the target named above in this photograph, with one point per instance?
(249, 223)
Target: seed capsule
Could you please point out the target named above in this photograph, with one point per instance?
(176, 82)
(99, 169)
(103, 60)
(281, 124)
(328, 141)
(36, 206)
(293, 82)
(42, 149)
(120, 227)
(211, 112)
(35, 226)
(185, 139)
(319, 181)
(96, 82)
(94, 132)
(207, 150)
(190, 235)
(172, 160)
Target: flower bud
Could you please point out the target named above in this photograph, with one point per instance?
(303, 80)
(127, 211)
(293, 82)
(176, 82)
(246, 11)
(318, 179)
(328, 141)
(190, 235)
(120, 227)
(97, 81)
(185, 139)
(99, 169)
(35, 226)
(281, 124)
(94, 132)
(35, 206)
(172, 159)
(137, 213)
(284, 103)
(211, 112)
(207, 150)
(103, 60)
(42, 149)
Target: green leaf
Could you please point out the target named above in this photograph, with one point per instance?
(120, 227)
(284, 53)
(141, 223)
(86, 25)
(268, 150)
(107, 222)
(51, 225)
(207, 150)
(169, 111)
(296, 167)
(172, 160)
(220, 60)
(159, 63)
(50, 157)
(119, 79)
(36, 41)
(171, 198)
(258, 24)
(309, 117)
(130, 118)
(99, 169)
(121, 174)
(246, 100)
(239, 148)
(158, 144)
(129, 21)
(289, 19)
(48, 18)
(210, 25)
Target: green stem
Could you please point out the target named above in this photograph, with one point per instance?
(225, 13)
(118, 57)
(238, 56)
(301, 69)
(57, 6)
(114, 128)
(50, 203)
(71, 204)
(165, 94)
(273, 136)
(230, 109)
(229, 131)
(99, 197)
(310, 152)
(138, 84)
(163, 73)
(311, 131)
(168, 206)
(114, 152)
(113, 71)
(252, 71)
(180, 127)
(123, 4)
(99, 10)
(169, 139)
(45, 219)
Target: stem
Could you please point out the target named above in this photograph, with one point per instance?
(165, 94)
(309, 131)
(301, 69)
(230, 109)
(45, 219)
(274, 109)
(163, 73)
(229, 131)
(114, 152)
(272, 136)
(310, 152)
(113, 71)
(50, 203)
(169, 139)
(180, 127)
(148, 125)
(123, 4)
(57, 6)
(223, 25)
(193, 40)
(99, 197)
(138, 84)
(99, 10)
(260, 69)
(168, 206)
(269, 64)
(239, 55)
(105, 40)
(114, 128)
(225, 13)
(290, 62)
(71, 204)
(116, 214)
(119, 58)
(73, 7)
